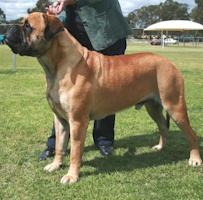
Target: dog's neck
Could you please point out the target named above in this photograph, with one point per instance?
(69, 53)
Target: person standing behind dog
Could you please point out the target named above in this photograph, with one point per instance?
(98, 25)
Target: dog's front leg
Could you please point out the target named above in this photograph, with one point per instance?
(77, 137)
(62, 135)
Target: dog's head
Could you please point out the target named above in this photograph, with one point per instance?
(33, 36)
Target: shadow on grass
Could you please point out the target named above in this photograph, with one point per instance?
(11, 71)
(177, 149)
(7, 71)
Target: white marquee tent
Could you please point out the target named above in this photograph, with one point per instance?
(174, 25)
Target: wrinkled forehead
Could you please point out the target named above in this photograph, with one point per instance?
(36, 20)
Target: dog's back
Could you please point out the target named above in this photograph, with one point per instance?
(126, 80)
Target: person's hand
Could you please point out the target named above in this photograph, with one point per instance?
(57, 7)
(52, 9)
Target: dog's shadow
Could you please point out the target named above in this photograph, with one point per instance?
(177, 149)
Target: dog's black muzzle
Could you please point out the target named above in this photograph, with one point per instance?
(13, 38)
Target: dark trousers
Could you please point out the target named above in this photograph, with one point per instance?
(103, 131)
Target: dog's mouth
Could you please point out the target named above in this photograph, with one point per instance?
(14, 39)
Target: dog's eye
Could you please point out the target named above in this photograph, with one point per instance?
(27, 25)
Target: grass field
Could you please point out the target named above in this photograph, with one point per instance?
(134, 171)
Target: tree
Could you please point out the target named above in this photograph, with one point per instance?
(40, 6)
(16, 21)
(172, 10)
(2, 21)
(196, 13)
(142, 17)
(147, 15)
(2, 17)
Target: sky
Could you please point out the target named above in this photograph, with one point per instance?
(15, 9)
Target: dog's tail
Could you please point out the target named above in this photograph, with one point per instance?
(167, 120)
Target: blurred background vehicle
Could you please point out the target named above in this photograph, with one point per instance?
(166, 41)
(156, 42)
(186, 39)
(170, 41)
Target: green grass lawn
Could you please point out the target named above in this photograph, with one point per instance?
(134, 171)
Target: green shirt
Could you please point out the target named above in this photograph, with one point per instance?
(103, 21)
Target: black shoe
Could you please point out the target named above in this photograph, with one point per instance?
(106, 150)
(47, 153)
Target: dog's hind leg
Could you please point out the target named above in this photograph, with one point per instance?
(155, 110)
(178, 112)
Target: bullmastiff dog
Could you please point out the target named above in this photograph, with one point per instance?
(84, 85)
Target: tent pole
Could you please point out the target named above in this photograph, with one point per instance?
(14, 62)
(162, 40)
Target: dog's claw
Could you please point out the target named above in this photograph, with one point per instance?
(195, 159)
(67, 179)
(195, 163)
(52, 167)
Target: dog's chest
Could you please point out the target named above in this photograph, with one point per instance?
(58, 102)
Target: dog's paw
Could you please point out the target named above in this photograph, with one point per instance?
(68, 179)
(157, 147)
(195, 162)
(52, 167)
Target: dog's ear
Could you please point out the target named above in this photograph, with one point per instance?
(53, 26)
